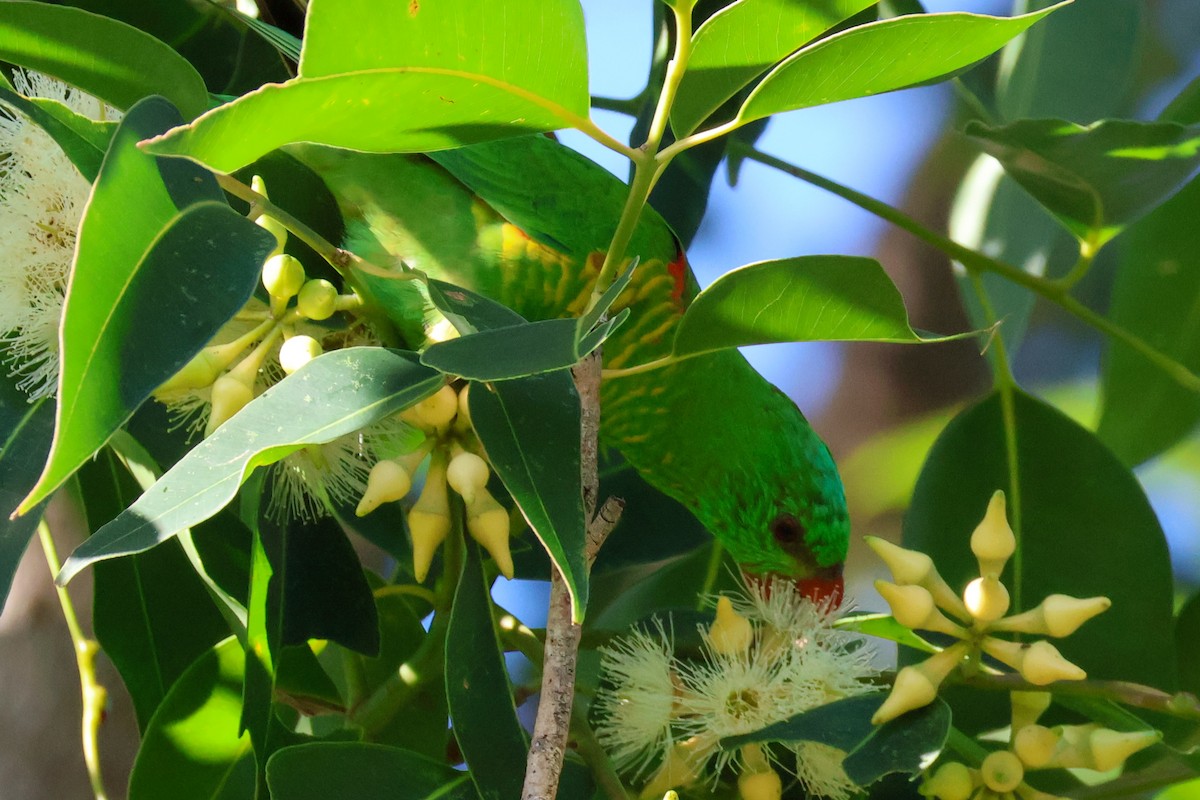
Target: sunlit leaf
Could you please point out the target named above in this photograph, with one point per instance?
(108, 59)
(420, 77)
(1099, 178)
(333, 395)
(882, 57)
(809, 298)
(481, 706)
(741, 42)
(193, 748)
(884, 626)
(142, 266)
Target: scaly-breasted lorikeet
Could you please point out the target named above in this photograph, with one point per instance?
(525, 221)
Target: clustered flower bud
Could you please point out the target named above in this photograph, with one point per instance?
(1033, 747)
(920, 595)
(456, 464)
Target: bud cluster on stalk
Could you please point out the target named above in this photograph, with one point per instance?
(920, 595)
(1033, 747)
(455, 464)
(225, 377)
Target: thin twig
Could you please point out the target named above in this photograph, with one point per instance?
(552, 727)
(1182, 704)
(95, 696)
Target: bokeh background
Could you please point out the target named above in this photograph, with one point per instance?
(879, 407)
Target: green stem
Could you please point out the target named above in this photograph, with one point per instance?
(648, 166)
(94, 695)
(966, 747)
(381, 706)
(974, 261)
(1087, 254)
(716, 554)
(1006, 386)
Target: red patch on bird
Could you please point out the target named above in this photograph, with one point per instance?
(826, 592)
(679, 271)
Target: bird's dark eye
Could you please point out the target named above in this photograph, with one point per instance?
(787, 529)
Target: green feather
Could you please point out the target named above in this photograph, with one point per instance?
(517, 220)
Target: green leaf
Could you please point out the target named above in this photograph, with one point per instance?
(1155, 298)
(991, 213)
(142, 267)
(1084, 529)
(1080, 64)
(538, 45)
(884, 626)
(331, 396)
(25, 432)
(192, 749)
(418, 78)
(882, 57)
(741, 42)
(500, 354)
(108, 59)
(83, 140)
(843, 724)
(531, 348)
(321, 770)
(319, 590)
(809, 298)
(907, 744)
(1187, 640)
(153, 615)
(1095, 179)
(1185, 108)
(530, 429)
(481, 703)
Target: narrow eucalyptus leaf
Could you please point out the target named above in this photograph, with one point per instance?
(333, 395)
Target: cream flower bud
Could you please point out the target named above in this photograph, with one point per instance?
(283, 275)
(463, 421)
(268, 223)
(229, 396)
(731, 634)
(487, 522)
(387, 482)
(1044, 664)
(1040, 663)
(429, 520)
(917, 686)
(986, 599)
(1058, 615)
(679, 769)
(952, 781)
(467, 474)
(434, 412)
(317, 299)
(760, 786)
(298, 351)
(913, 607)
(1028, 707)
(1002, 771)
(1035, 745)
(201, 371)
(910, 567)
(1109, 749)
(993, 542)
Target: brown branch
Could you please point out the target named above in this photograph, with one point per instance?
(552, 726)
(1182, 704)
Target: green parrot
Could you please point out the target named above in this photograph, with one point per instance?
(526, 221)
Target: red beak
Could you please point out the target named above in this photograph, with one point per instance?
(827, 590)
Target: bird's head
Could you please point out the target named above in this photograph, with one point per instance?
(787, 518)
